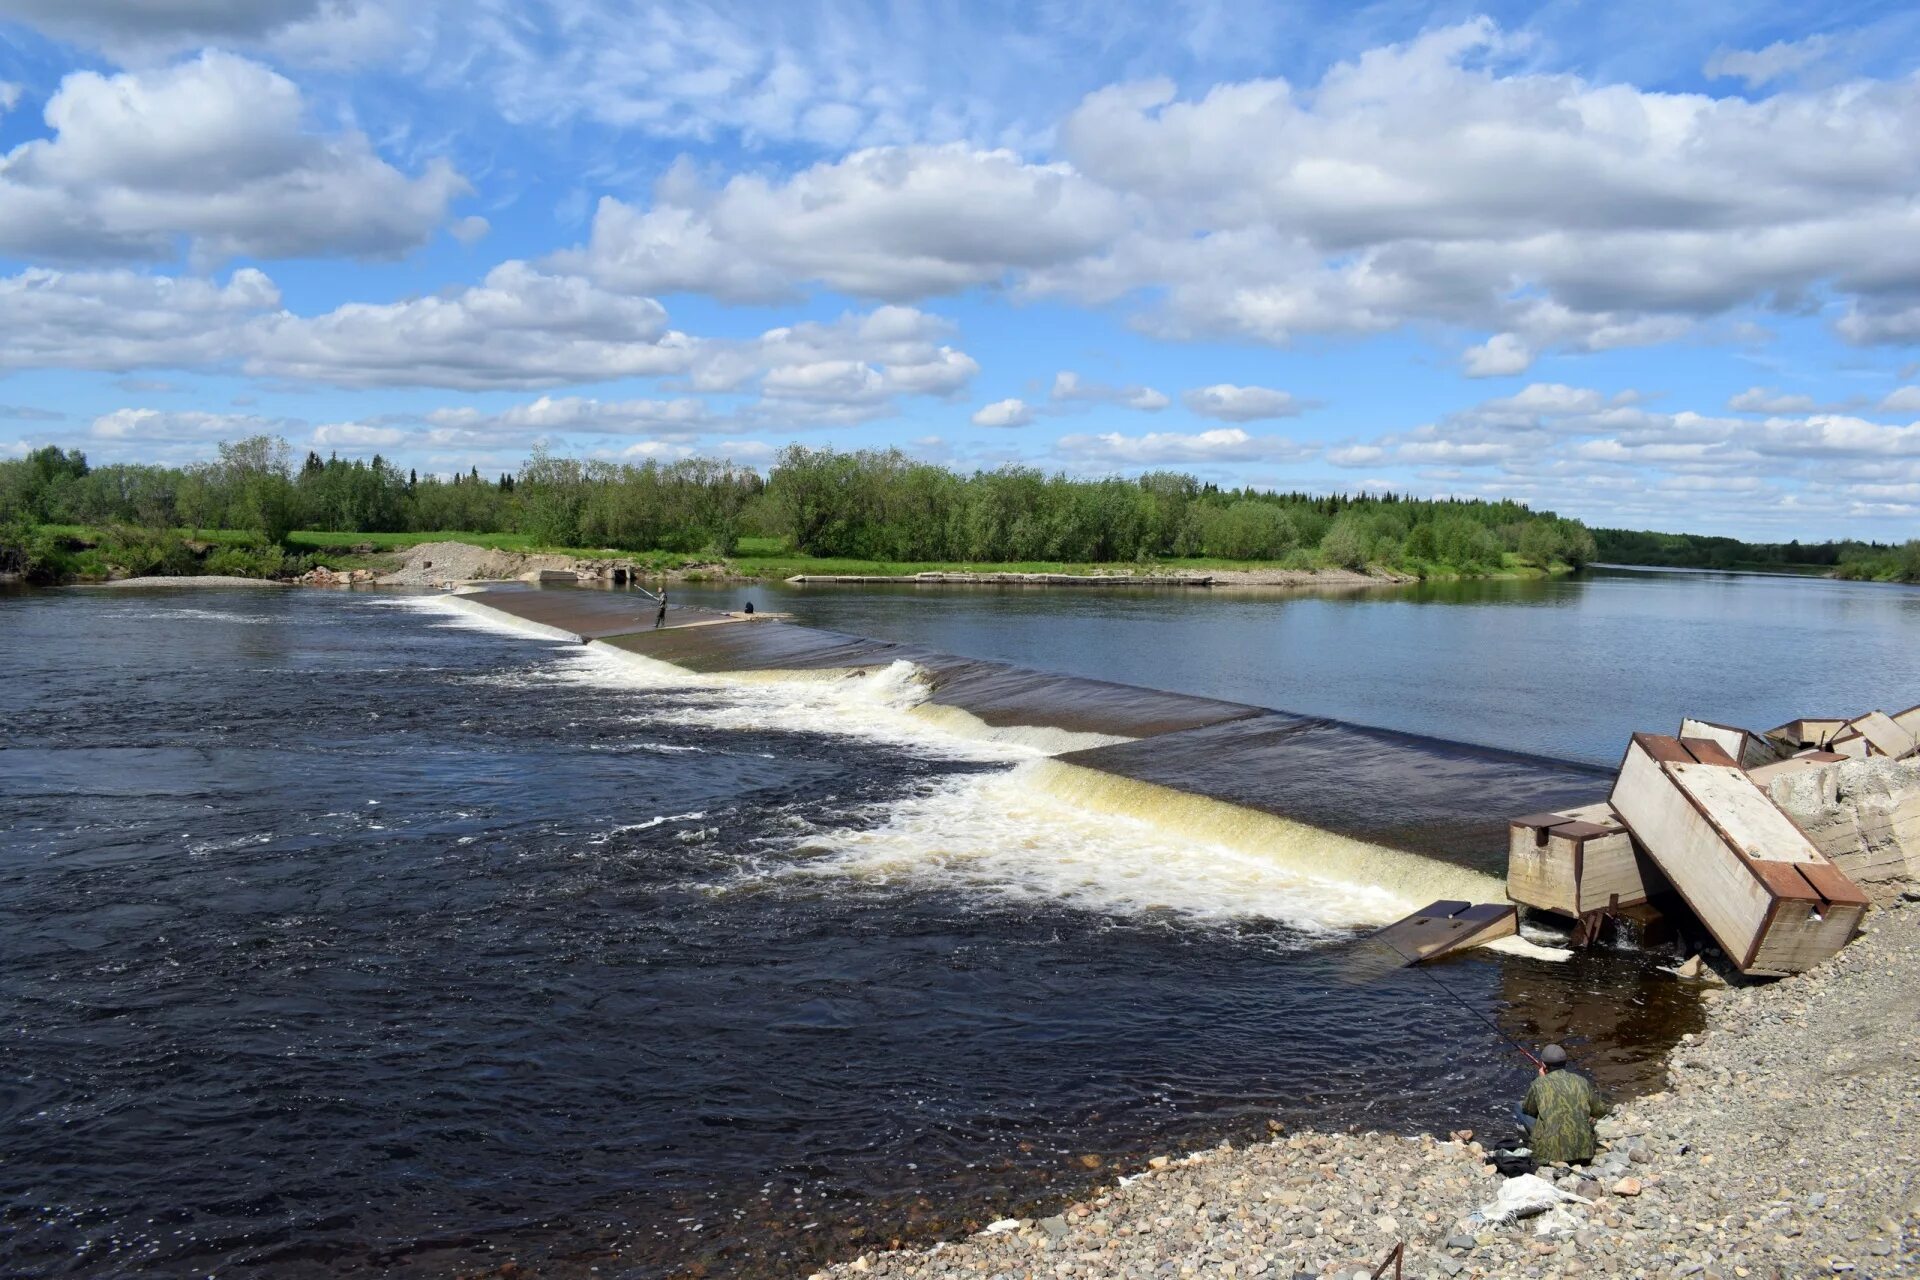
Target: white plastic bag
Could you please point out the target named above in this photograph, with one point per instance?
(1522, 1197)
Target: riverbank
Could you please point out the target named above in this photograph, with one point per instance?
(1256, 577)
(435, 563)
(1786, 1144)
(79, 553)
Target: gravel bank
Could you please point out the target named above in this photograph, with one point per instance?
(430, 564)
(186, 580)
(1787, 1145)
(433, 564)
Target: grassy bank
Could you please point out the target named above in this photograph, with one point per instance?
(768, 559)
(82, 553)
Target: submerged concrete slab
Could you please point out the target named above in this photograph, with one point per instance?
(997, 693)
(1404, 792)
(1422, 795)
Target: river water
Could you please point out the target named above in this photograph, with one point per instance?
(344, 934)
(1568, 667)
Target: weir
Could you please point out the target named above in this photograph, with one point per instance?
(1419, 817)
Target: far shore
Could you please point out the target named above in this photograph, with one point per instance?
(325, 559)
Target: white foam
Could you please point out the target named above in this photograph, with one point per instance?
(658, 820)
(1009, 836)
(886, 703)
(210, 615)
(1518, 946)
(890, 701)
(470, 615)
(1041, 831)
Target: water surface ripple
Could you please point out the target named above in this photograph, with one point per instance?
(341, 939)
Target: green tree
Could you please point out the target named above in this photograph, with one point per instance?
(256, 475)
(1346, 544)
(1539, 544)
(552, 494)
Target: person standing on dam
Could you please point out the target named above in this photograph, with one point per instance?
(1559, 1110)
(660, 619)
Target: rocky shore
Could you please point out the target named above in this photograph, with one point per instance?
(1786, 1144)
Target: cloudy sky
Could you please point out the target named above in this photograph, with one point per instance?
(1648, 264)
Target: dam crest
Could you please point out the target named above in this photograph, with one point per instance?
(1371, 821)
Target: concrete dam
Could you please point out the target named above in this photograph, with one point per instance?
(1408, 817)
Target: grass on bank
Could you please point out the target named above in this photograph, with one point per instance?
(767, 558)
(86, 553)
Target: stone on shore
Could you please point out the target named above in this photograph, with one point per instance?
(1787, 1144)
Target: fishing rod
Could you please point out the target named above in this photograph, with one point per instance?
(1417, 967)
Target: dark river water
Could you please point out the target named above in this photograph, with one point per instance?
(343, 936)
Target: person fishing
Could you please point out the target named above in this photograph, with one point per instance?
(1559, 1110)
(660, 619)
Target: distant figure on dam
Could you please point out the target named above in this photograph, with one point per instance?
(1559, 1111)
(749, 608)
(660, 619)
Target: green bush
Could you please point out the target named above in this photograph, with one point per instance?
(142, 552)
(1347, 545)
(1248, 530)
(31, 552)
(247, 562)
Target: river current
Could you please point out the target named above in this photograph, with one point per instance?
(345, 934)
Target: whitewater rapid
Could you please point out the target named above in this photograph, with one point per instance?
(1037, 829)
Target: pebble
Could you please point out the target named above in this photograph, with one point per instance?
(1703, 1183)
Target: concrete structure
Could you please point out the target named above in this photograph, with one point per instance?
(1749, 750)
(1446, 928)
(1863, 814)
(1770, 898)
(1873, 734)
(1807, 732)
(1576, 862)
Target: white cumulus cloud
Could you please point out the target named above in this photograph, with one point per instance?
(357, 435)
(119, 319)
(319, 31)
(1070, 388)
(1158, 448)
(214, 151)
(1499, 356)
(1004, 413)
(151, 426)
(520, 327)
(1767, 400)
(890, 222)
(1230, 403)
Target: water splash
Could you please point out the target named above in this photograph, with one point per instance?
(1015, 837)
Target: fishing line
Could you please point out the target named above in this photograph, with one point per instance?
(1419, 968)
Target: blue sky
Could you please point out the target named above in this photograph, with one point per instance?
(1649, 265)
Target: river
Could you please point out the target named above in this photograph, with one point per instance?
(347, 935)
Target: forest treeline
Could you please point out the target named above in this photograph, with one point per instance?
(867, 504)
(1872, 561)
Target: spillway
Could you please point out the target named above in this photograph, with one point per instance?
(1415, 816)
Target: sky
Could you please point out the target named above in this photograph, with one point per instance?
(1648, 265)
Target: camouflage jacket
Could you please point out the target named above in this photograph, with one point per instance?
(1565, 1106)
